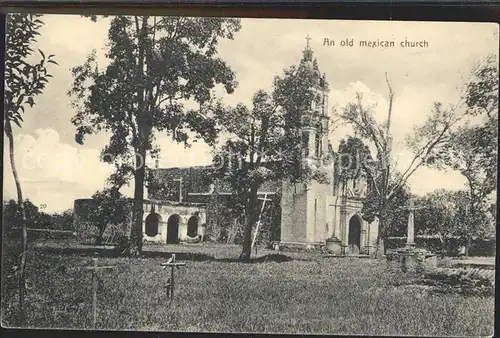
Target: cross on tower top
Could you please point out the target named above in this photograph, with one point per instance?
(308, 38)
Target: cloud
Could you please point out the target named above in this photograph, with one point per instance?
(176, 155)
(425, 180)
(52, 172)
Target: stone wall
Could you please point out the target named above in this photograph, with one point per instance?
(339, 213)
(222, 224)
(318, 211)
(171, 216)
(294, 213)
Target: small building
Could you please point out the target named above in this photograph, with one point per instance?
(188, 199)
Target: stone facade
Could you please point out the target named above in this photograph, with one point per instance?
(171, 222)
(324, 213)
(163, 221)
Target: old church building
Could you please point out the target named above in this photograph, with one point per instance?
(182, 201)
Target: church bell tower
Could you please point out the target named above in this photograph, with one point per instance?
(314, 118)
(304, 204)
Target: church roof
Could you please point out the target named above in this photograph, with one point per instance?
(198, 180)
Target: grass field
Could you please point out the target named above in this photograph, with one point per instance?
(285, 293)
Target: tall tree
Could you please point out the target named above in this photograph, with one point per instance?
(482, 100)
(248, 158)
(466, 154)
(157, 65)
(384, 180)
(472, 148)
(24, 80)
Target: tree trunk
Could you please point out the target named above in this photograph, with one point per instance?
(380, 249)
(144, 132)
(470, 219)
(249, 224)
(20, 203)
(247, 240)
(135, 243)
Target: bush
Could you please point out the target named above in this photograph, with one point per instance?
(479, 246)
(35, 219)
(466, 281)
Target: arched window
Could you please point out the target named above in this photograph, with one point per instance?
(305, 143)
(192, 226)
(173, 229)
(319, 134)
(152, 224)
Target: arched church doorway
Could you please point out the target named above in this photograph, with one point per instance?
(354, 239)
(173, 229)
(192, 226)
(152, 224)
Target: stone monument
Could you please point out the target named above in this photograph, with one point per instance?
(411, 258)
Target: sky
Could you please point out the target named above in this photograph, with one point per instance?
(55, 170)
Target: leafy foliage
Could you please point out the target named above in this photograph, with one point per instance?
(470, 151)
(157, 65)
(110, 207)
(440, 215)
(249, 157)
(446, 214)
(12, 215)
(179, 62)
(482, 89)
(23, 80)
(352, 158)
(396, 218)
(63, 221)
(35, 219)
(246, 159)
(472, 148)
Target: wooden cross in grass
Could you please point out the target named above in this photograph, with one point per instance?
(94, 270)
(264, 200)
(170, 282)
